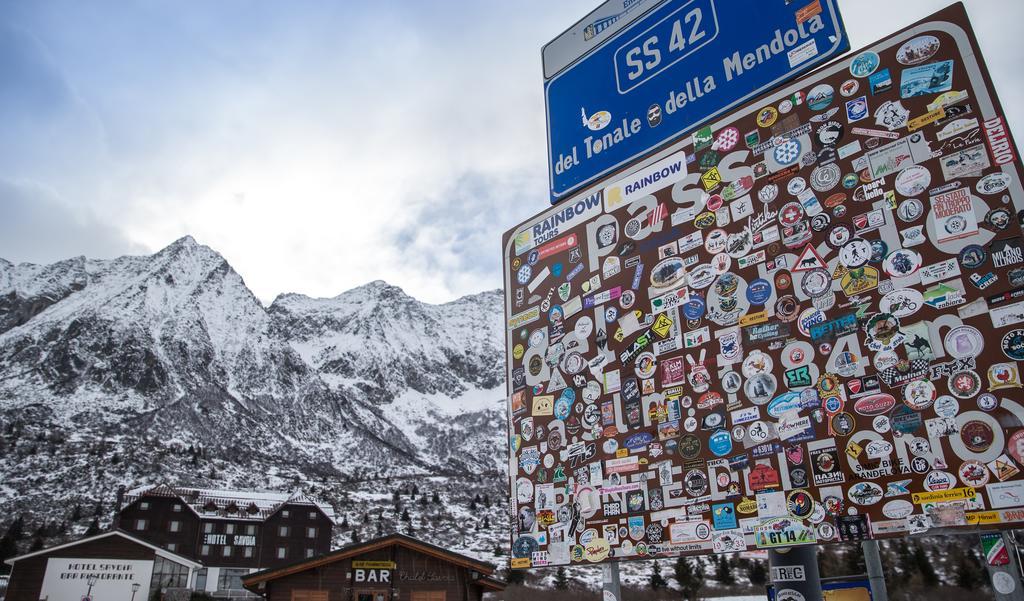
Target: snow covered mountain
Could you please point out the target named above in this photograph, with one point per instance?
(167, 368)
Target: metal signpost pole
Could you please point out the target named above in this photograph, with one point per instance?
(1002, 565)
(794, 573)
(876, 577)
(610, 582)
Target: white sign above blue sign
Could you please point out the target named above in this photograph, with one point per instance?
(673, 70)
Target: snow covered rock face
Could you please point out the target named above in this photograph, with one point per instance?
(119, 371)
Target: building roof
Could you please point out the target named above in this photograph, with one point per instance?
(486, 570)
(119, 533)
(255, 505)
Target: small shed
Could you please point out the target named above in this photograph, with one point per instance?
(390, 568)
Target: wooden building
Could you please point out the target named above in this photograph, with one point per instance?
(113, 566)
(232, 533)
(391, 568)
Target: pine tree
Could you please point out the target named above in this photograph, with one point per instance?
(17, 529)
(435, 499)
(415, 491)
(94, 527)
(757, 574)
(405, 515)
(76, 513)
(690, 576)
(967, 571)
(924, 566)
(658, 582)
(723, 571)
(344, 522)
(515, 577)
(37, 544)
(355, 535)
(8, 547)
(561, 579)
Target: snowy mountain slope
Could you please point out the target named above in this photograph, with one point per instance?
(166, 367)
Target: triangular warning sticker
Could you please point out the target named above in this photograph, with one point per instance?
(840, 271)
(557, 381)
(809, 259)
(1003, 467)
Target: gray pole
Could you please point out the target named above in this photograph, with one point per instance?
(1005, 579)
(876, 577)
(610, 582)
(794, 573)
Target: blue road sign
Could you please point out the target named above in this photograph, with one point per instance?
(672, 70)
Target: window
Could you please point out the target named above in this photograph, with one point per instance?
(229, 529)
(227, 551)
(251, 529)
(283, 530)
(309, 553)
(177, 507)
(282, 552)
(311, 532)
(208, 527)
(247, 552)
(167, 574)
(230, 579)
(144, 505)
(141, 524)
(285, 513)
(312, 515)
(201, 580)
(174, 526)
(205, 550)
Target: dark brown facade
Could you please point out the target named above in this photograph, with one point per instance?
(293, 532)
(99, 555)
(392, 568)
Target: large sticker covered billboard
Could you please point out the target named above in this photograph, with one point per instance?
(802, 323)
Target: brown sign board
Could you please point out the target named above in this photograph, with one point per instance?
(801, 324)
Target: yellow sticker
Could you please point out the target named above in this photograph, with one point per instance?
(751, 318)
(983, 517)
(853, 449)
(953, 494)
(520, 562)
(925, 119)
(373, 565)
(662, 325)
(711, 178)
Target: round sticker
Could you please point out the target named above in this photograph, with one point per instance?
(759, 291)
(816, 283)
(917, 50)
(768, 193)
(910, 209)
(702, 276)
(972, 256)
(881, 424)
(523, 275)
(825, 177)
(800, 504)
(901, 263)
(964, 341)
(902, 302)
(829, 134)
(946, 406)
(919, 394)
(964, 384)
(913, 180)
(1012, 344)
(855, 253)
(668, 272)
(767, 116)
(977, 436)
(788, 152)
(864, 64)
(849, 88)
(796, 185)
(714, 242)
(973, 473)
(820, 97)
(993, 183)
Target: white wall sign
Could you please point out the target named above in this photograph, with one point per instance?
(67, 579)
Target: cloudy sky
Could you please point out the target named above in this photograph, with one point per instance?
(316, 145)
